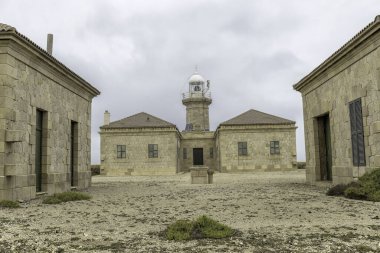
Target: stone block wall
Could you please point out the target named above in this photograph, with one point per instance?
(197, 112)
(195, 139)
(354, 76)
(258, 140)
(137, 161)
(29, 82)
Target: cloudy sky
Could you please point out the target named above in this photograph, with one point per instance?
(140, 53)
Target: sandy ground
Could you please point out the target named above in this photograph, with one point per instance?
(273, 212)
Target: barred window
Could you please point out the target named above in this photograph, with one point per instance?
(242, 148)
(152, 150)
(274, 147)
(121, 151)
(184, 153)
(211, 152)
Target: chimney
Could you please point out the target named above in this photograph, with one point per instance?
(107, 117)
(49, 48)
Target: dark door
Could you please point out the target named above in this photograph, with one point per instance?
(73, 151)
(324, 138)
(197, 156)
(38, 160)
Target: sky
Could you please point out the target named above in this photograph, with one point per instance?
(140, 54)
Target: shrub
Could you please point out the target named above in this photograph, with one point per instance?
(203, 227)
(66, 197)
(180, 230)
(367, 187)
(338, 190)
(375, 196)
(9, 204)
(210, 228)
(355, 193)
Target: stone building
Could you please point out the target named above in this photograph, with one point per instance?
(341, 104)
(45, 121)
(146, 145)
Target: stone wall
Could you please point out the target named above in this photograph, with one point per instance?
(258, 140)
(355, 75)
(195, 139)
(29, 81)
(137, 161)
(197, 112)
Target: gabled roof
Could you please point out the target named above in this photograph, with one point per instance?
(369, 30)
(253, 117)
(139, 120)
(9, 30)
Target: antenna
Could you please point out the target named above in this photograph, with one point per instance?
(196, 68)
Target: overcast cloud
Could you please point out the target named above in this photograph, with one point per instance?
(140, 54)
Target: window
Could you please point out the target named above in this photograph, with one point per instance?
(211, 152)
(242, 148)
(184, 153)
(357, 136)
(152, 150)
(121, 151)
(274, 147)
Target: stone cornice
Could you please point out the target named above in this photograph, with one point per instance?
(139, 130)
(28, 52)
(254, 128)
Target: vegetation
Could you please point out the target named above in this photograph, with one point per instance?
(9, 204)
(338, 190)
(66, 197)
(366, 188)
(202, 227)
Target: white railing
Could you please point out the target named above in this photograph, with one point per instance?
(196, 95)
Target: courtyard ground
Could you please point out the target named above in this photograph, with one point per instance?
(272, 211)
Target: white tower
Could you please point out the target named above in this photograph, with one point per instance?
(197, 101)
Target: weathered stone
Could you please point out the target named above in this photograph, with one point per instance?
(196, 145)
(31, 82)
(350, 75)
(14, 135)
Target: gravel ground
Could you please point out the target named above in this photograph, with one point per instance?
(272, 212)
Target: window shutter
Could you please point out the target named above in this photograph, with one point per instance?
(360, 132)
(357, 133)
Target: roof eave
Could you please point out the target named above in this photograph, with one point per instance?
(91, 89)
(368, 31)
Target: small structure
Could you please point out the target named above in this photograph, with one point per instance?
(143, 144)
(341, 104)
(45, 121)
(199, 175)
(263, 142)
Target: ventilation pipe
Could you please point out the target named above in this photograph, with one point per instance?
(49, 48)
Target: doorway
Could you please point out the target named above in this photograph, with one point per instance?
(197, 156)
(324, 140)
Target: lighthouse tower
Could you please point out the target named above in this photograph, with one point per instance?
(197, 101)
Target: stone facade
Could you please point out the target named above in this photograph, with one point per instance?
(45, 121)
(196, 149)
(204, 140)
(258, 139)
(137, 161)
(351, 74)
